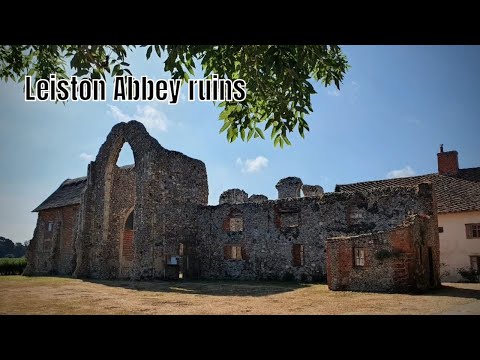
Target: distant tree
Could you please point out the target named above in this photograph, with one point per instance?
(8, 249)
(19, 250)
(278, 77)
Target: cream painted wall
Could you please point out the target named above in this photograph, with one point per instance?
(455, 248)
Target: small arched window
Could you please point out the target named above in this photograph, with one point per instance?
(129, 222)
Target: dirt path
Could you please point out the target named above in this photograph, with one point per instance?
(50, 295)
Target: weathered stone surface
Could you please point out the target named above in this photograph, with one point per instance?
(257, 198)
(233, 196)
(175, 234)
(272, 228)
(289, 187)
(312, 190)
(163, 188)
(405, 258)
(52, 252)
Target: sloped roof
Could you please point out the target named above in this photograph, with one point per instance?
(470, 174)
(69, 193)
(454, 194)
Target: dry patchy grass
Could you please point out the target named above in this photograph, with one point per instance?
(53, 295)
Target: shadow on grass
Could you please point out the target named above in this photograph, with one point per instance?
(452, 291)
(213, 288)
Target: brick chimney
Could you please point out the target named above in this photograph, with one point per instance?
(447, 162)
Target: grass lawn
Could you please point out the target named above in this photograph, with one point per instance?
(53, 295)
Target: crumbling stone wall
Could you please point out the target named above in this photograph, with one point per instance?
(312, 190)
(257, 198)
(272, 230)
(175, 234)
(405, 258)
(233, 196)
(52, 252)
(163, 188)
(289, 187)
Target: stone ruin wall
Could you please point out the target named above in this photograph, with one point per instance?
(163, 187)
(271, 229)
(241, 238)
(405, 258)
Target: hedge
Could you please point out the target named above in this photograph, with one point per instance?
(12, 266)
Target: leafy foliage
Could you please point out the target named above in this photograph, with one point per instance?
(279, 77)
(12, 266)
(10, 249)
(469, 275)
(444, 271)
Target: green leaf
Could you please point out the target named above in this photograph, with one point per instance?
(157, 50)
(149, 52)
(277, 139)
(224, 127)
(260, 132)
(81, 72)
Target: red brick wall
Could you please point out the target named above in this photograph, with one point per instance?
(393, 259)
(57, 246)
(404, 266)
(448, 163)
(69, 217)
(127, 250)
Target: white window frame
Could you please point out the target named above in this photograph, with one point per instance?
(359, 254)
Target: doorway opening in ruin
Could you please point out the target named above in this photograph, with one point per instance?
(126, 246)
(125, 156)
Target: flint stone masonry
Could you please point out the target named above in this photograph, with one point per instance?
(233, 196)
(257, 198)
(312, 190)
(289, 187)
(177, 235)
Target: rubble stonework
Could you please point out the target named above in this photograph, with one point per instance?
(312, 190)
(405, 258)
(174, 233)
(233, 196)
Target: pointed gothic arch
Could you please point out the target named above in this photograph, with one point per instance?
(160, 179)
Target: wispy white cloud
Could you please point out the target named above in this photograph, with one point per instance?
(405, 172)
(333, 92)
(118, 114)
(87, 157)
(152, 118)
(252, 165)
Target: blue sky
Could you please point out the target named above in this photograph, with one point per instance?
(396, 105)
